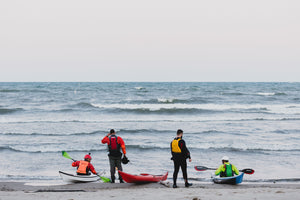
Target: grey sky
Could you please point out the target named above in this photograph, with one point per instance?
(216, 40)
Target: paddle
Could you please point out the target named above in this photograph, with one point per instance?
(202, 168)
(66, 155)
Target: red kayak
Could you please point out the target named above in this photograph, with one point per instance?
(142, 178)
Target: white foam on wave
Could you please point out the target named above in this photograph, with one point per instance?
(139, 88)
(165, 100)
(281, 108)
(266, 93)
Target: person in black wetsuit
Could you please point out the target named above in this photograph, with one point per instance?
(179, 155)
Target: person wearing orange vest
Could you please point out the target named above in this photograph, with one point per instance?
(115, 144)
(179, 155)
(84, 167)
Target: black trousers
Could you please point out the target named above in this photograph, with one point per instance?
(177, 164)
(115, 162)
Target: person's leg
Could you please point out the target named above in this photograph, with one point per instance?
(112, 168)
(176, 170)
(183, 166)
(119, 166)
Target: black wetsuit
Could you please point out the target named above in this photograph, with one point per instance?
(179, 160)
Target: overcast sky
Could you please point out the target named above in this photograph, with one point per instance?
(157, 40)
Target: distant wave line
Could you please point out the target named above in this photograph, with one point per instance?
(121, 131)
(168, 108)
(9, 110)
(146, 147)
(54, 134)
(254, 94)
(253, 149)
(154, 107)
(24, 90)
(28, 150)
(151, 120)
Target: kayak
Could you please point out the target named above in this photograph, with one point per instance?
(233, 180)
(78, 178)
(142, 178)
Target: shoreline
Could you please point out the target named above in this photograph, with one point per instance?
(94, 186)
(126, 191)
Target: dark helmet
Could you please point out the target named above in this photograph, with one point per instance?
(125, 160)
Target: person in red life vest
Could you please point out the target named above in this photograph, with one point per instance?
(84, 167)
(115, 144)
(180, 153)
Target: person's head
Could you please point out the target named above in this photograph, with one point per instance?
(112, 131)
(87, 158)
(179, 133)
(225, 159)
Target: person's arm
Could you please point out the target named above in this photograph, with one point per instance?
(219, 170)
(184, 149)
(122, 144)
(236, 171)
(105, 139)
(75, 164)
(91, 167)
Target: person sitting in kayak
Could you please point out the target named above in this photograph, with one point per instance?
(226, 169)
(84, 167)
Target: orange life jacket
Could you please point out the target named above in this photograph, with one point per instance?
(82, 168)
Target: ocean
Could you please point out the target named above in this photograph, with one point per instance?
(257, 125)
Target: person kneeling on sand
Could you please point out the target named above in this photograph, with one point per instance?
(226, 169)
(84, 167)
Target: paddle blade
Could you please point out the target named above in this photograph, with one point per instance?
(248, 171)
(200, 168)
(104, 179)
(66, 155)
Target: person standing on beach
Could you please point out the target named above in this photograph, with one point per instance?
(226, 169)
(115, 144)
(179, 155)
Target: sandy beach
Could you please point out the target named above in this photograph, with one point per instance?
(18, 190)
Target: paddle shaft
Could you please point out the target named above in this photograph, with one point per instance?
(203, 168)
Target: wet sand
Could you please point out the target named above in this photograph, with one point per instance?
(126, 191)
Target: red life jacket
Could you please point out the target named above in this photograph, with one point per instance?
(114, 147)
(83, 167)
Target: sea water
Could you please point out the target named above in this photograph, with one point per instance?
(257, 125)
